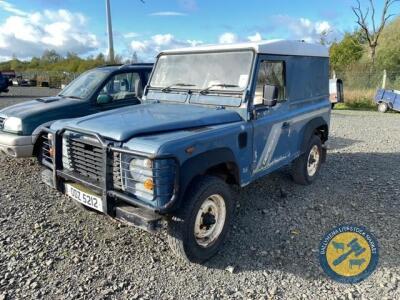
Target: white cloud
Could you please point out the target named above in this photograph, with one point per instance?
(255, 38)
(148, 49)
(228, 38)
(130, 35)
(29, 34)
(305, 29)
(167, 14)
(8, 7)
(323, 26)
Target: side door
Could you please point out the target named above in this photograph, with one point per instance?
(120, 90)
(271, 127)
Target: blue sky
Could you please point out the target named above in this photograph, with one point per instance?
(30, 26)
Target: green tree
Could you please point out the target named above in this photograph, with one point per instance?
(51, 56)
(346, 52)
(388, 53)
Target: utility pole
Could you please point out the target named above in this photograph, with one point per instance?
(110, 33)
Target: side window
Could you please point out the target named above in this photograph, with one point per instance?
(270, 73)
(123, 86)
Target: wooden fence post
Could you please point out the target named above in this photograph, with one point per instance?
(384, 79)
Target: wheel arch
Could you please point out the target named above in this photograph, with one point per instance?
(316, 126)
(217, 162)
(36, 136)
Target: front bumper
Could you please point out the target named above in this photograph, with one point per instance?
(16, 145)
(139, 217)
(116, 204)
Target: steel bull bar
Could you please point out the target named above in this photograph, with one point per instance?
(118, 205)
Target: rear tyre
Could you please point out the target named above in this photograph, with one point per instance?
(306, 167)
(197, 231)
(383, 107)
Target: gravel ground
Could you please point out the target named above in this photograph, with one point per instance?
(51, 249)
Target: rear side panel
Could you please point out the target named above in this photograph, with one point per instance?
(307, 102)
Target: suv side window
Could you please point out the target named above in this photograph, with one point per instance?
(271, 73)
(123, 86)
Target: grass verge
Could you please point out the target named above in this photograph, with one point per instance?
(355, 106)
(362, 99)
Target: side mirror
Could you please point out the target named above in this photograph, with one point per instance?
(104, 99)
(270, 95)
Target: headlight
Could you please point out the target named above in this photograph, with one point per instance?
(142, 163)
(146, 179)
(140, 169)
(13, 124)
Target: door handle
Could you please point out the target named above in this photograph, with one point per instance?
(285, 125)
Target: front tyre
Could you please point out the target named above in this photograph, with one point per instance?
(306, 167)
(197, 231)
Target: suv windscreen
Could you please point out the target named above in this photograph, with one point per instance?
(85, 84)
(219, 71)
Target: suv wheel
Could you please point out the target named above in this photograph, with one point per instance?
(383, 107)
(197, 231)
(307, 166)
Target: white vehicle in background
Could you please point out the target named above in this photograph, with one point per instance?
(336, 93)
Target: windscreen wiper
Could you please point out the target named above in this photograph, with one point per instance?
(223, 85)
(168, 88)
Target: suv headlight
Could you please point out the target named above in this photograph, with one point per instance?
(13, 125)
(141, 171)
(151, 181)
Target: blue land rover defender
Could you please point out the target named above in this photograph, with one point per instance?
(211, 117)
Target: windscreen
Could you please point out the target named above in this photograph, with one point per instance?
(198, 71)
(85, 84)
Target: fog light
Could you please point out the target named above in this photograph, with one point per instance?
(149, 184)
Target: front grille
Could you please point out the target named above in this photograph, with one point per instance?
(1, 123)
(83, 157)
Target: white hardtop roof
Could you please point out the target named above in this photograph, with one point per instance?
(277, 47)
